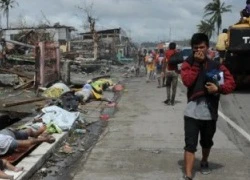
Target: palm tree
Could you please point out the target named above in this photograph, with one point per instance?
(6, 5)
(207, 27)
(214, 10)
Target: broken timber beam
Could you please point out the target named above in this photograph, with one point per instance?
(23, 85)
(17, 73)
(21, 44)
(24, 102)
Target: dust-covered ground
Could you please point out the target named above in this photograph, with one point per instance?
(61, 165)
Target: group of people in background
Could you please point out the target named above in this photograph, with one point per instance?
(157, 67)
(203, 92)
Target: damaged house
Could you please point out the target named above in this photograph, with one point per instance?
(112, 44)
(34, 50)
(31, 35)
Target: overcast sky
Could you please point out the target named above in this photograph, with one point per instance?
(143, 20)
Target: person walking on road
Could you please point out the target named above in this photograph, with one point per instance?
(171, 75)
(149, 60)
(160, 58)
(222, 44)
(140, 62)
(205, 81)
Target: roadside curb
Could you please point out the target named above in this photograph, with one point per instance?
(35, 160)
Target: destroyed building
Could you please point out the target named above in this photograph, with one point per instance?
(57, 33)
(111, 42)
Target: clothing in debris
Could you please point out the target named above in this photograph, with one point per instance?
(8, 139)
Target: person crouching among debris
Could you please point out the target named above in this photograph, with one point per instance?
(4, 164)
(88, 92)
(11, 139)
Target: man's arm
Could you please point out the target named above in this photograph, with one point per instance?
(106, 99)
(189, 73)
(164, 64)
(229, 83)
(3, 175)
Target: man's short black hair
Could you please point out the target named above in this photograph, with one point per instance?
(172, 45)
(224, 30)
(199, 38)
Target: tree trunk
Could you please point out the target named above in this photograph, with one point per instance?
(95, 50)
(7, 18)
(95, 39)
(218, 29)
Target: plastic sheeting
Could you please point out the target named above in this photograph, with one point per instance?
(62, 118)
(56, 90)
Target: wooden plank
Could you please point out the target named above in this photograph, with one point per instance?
(14, 72)
(23, 85)
(24, 102)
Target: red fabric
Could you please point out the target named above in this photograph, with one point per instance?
(168, 54)
(189, 74)
(156, 59)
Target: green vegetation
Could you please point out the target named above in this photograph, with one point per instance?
(5, 6)
(213, 11)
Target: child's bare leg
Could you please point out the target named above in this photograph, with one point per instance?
(3, 175)
(29, 142)
(35, 134)
(11, 167)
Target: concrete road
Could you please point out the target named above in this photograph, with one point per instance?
(236, 107)
(144, 141)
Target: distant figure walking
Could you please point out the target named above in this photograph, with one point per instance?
(171, 75)
(159, 61)
(149, 60)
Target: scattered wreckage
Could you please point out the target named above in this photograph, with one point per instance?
(34, 95)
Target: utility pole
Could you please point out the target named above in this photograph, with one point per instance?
(170, 34)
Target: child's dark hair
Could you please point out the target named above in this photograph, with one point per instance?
(248, 2)
(172, 45)
(199, 38)
(161, 51)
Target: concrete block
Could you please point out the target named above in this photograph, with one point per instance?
(9, 79)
